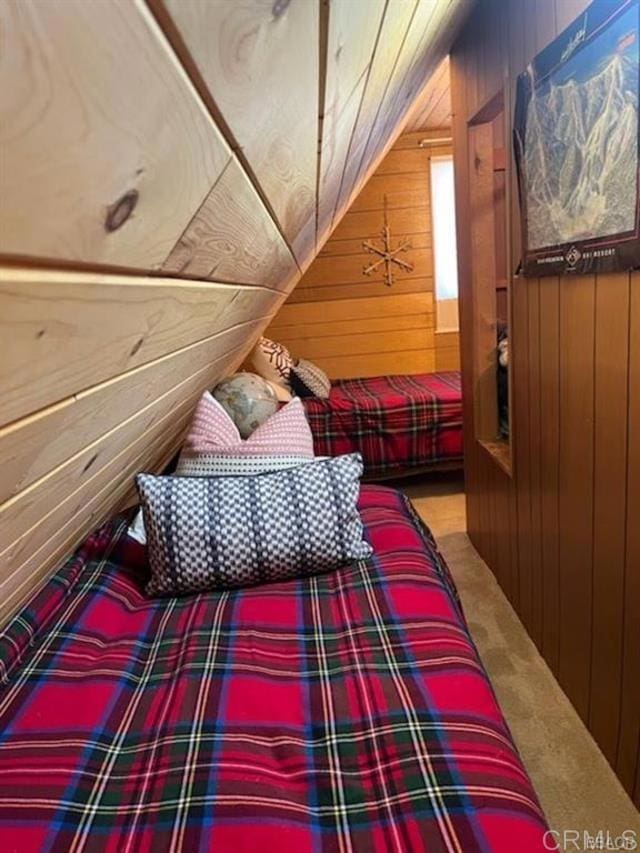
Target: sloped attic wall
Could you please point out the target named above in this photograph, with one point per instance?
(167, 172)
(354, 325)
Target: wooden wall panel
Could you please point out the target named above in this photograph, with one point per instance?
(559, 533)
(21, 517)
(93, 106)
(611, 400)
(577, 331)
(36, 445)
(164, 169)
(432, 27)
(628, 754)
(447, 351)
(398, 16)
(243, 49)
(351, 40)
(351, 345)
(232, 238)
(549, 465)
(434, 107)
(64, 331)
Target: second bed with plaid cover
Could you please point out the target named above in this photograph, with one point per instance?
(399, 424)
(345, 712)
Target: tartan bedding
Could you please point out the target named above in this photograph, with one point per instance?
(345, 712)
(397, 423)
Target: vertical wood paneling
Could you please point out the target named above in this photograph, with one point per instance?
(519, 359)
(610, 494)
(568, 518)
(629, 736)
(549, 464)
(459, 94)
(577, 319)
(535, 452)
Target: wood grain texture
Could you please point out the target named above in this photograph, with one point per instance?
(400, 191)
(433, 108)
(177, 170)
(64, 332)
(612, 312)
(232, 238)
(334, 283)
(381, 364)
(398, 15)
(35, 573)
(549, 463)
(93, 106)
(294, 315)
(388, 323)
(23, 567)
(21, 515)
(627, 763)
(354, 291)
(36, 445)
(432, 27)
(261, 68)
(447, 351)
(351, 41)
(577, 330)
(365, 225)
(562, 535)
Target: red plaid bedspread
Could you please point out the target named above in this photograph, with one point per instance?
(347, 712)
(397, 423)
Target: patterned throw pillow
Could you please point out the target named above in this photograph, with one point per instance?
(308, 380)
(272, 361)
(228, 532)
(212, 431)
(219, 465)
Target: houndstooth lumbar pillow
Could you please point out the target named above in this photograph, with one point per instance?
(228, 532)
(220, 465)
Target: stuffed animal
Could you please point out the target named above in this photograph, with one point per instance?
(502, 372)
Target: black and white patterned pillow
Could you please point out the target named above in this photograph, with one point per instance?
(228, 532)
(220, 465)
(308, 380)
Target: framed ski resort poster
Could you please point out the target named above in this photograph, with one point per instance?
(576, 144)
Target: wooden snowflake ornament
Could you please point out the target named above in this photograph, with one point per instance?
(387, 255)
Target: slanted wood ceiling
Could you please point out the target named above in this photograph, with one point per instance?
(167, 172)
(432, 109)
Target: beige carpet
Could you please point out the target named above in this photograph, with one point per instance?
(575, 784)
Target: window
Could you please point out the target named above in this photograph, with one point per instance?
(445, 257)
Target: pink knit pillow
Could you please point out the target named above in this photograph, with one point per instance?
(212, 431)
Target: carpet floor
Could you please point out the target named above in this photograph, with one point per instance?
(575, 784)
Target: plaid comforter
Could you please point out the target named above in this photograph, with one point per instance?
(346, 712)
(397, 423)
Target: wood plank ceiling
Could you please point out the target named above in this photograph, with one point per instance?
(432, 110)
(167, 171)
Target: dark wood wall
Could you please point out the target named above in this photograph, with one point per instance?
(562, 533)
